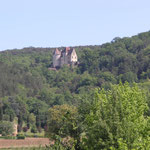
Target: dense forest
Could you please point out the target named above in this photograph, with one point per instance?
(29, 88)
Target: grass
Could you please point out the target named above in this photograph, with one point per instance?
(32, 148)
(7, 137)
(29, 134)
(26, 134)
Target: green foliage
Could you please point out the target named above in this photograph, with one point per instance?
(20, 136)
(117, 119)
(33, 129)
(25, 129)
(60, 144)
(6, 128)
(7, 137)
(28, 87)
(32, 119)
(62, 120)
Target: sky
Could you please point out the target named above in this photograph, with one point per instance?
(55, 23)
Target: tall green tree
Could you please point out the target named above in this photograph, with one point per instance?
(60, 119)
(117, 118)
(62, 122)
(1, 110)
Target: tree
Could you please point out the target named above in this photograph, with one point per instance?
(25, 129)
(20, 122)
(1, 110)
(34, 129)
(38, 122)
(128, 76)
(63, 123)
(6, 128)
(32, 119)
(117, 118)
(89, 60)
(60, 116)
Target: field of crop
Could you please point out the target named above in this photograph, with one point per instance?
(28, 142)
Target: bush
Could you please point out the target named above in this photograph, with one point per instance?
(39, 129)
(35, 135)
(6, 128)
(34, 129)
(20, 136)
(25, 129)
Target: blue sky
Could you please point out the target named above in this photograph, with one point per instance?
(55, 23)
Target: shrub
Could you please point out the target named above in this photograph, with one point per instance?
(20, 136)
(34, 129)
(6, 128)
(25, 129)
(39, 129)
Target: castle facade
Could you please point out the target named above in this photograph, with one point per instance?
(67, 56)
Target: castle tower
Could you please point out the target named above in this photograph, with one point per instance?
(73, 57)
(56, 58)
(64, 56)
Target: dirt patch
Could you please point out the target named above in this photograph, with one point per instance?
(28, 142)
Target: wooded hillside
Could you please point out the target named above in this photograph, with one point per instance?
(28, 88)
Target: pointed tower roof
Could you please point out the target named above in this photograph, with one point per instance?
(66, 50)
(71, 50)
(57, 52)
